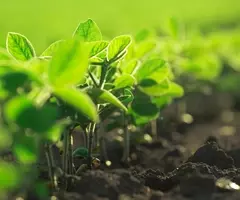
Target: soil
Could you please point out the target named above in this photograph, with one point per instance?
(198, 160)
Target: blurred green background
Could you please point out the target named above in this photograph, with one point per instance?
(45, 21)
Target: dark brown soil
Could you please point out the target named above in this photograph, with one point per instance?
(188, 161)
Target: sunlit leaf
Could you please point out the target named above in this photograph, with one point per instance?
(152, 88)
(88, 31)
(104, 96)
(52, 48)
(118, 46)
(19, 47)
(69, 64)
(4, 55)
(130, 66)
(124, 80)
(97, 47)
(149, 68)
(81, 101)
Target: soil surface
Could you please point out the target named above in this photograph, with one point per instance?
(189, 160)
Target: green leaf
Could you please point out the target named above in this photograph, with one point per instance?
(81, 152)
(149, 68)
(79, 100)
(118, 46)
(143, 48)
(142, 35)
(12, 81)
(142, 109)
(69, 64)
(88, 31)
(19, 47)
(21, 111)
(97, 47)
(52, 48)
(104, 96)
(26, 149)
(130, 66)
(152, 88)
(175, 90)
(5, 139)
(124, 80)
(9, 176)
(4, 55)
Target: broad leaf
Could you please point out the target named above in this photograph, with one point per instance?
(79, 100)
(12, 81)
(130, 66)
(69, 64)
(88, 31)
(104, 96)
(118, 46)
(124, 80)
(97, 47)
(4, 55)
(21, 111)
(144, 48)
(81, 152)
(26, 149)
(149, 68)
(20, 47)
(152, 88)
(142, 109)
(52, 48)
(9, 176)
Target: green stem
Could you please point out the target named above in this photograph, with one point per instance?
(50, 162)
(90, 141)
(93, 79)
(65, 151)
(126, 139)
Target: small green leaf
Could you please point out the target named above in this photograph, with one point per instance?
(69, 64)
(118, 46)
(144, 48)
(14, 80)
(26, 149)
(149, 68)
(130, 66)
(142, 109)
(81, 152)
(175, 90)
(52, 48)
(152, 88)
(4, 55)
(20, 47)
(97, 47)
(88, 31)
(9, 176)
(104, 96)
(79, 100)
(143, 35)
(124, 80)
(21, 111)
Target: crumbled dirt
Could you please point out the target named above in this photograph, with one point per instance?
(185, 162)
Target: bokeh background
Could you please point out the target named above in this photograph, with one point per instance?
(44, 21)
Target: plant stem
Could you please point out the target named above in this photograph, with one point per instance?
(65, 151)
(126, 139)
(70, 151)
(93, 79)
(50, 161)
(90, 141)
